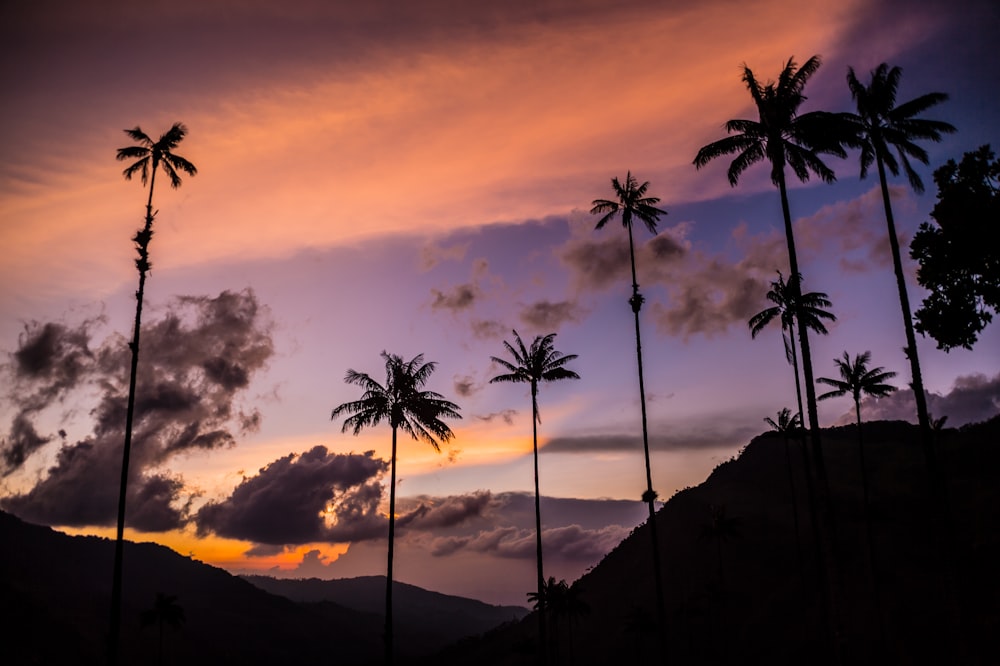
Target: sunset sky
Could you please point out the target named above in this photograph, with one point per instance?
(416, 177)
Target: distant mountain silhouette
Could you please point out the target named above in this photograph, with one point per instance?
(56, 592)
(434, 619)
(759, 611)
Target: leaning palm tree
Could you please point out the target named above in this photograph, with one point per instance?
(879, 126)
(783, 137)
(857, 380)
(538, 363)
(632, 203)
(406, 407)
(149, 156)
(165, 611)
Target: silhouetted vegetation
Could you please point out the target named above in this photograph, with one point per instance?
(959, 254)
(149, 156)
(406, 407)
(539, 363)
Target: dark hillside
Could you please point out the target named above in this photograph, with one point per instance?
(741, 597)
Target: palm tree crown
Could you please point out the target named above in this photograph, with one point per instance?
(400, 401)
(809, 312)
(780, 135)
(150, 154)
(633, 204)
(538, 363)
(786, 423)
(880, 125)
(857, 379)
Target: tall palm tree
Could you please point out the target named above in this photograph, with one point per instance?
(165, 611)
(788, 424)
(784, 137)
(879, 126)
(631, 203)
(406, 407)
(857, 380)
(149, 156)
(538, 363)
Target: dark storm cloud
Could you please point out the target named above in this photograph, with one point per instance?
(194, 363)
(548, 316)
(973, 398)
(313, 497)
(460, 298)
(447, 512)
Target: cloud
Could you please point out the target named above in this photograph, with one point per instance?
(488, 329)
(313, 497)
(548, 316)
(431, 255)
(506, 415)
(697, 437)
(194, 363)
(570, 542)
(465, 385)
(459, 298)
(447, 512)
(972, 398)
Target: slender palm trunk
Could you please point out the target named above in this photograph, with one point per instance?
(542, 643)
(142, 264)
(387, 636)
(650, 496)
(876, 582)
(827, 560)
(795, 511)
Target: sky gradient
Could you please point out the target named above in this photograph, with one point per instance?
(416, 178)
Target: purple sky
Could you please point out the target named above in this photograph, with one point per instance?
(417, 180)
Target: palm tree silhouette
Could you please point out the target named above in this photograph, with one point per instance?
(787, 424)
(783, 137)
(880, 125)
(632, 203)
(810, 312)
(406, 408)
(149, 155)
(165, 611)
(856, 379)
(539, 363)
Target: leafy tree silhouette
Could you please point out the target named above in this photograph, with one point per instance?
(538, 363)
(165, 611)
(631, 203)
(149, 156)
(563, 604)
(418, 413)
(878, 126)
(959, 254)
(857, 380)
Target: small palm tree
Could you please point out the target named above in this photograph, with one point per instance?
(879, 126)
(857, 380)
(165, 611)
(810, 312)
(538, 363)
(631, 203)
(783, 137)
(149, 156)
(406, 407)
(788, 424)
(721, 528)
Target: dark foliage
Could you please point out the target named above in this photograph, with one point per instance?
(959, 255)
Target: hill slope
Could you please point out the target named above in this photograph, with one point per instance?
(743, 598)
